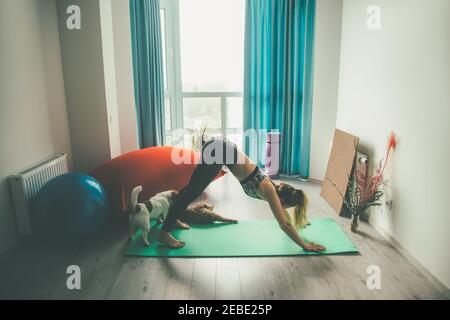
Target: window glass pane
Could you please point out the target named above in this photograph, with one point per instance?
(188, 139)
(167, 113)
(177, 140)
(168, 140)
(236, 138)
(162, 13)
(201, 112)
(234, 112)
(212, 44)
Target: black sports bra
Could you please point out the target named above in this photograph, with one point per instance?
(252, 182)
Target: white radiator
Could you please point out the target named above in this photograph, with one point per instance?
(26, 183)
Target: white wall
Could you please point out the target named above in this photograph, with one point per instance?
(124, 75)
(397, 78)
(326, 76)
(90, 98)
(33, 119)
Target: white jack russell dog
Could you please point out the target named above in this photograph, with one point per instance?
(141, 213)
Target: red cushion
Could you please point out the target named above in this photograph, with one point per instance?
(152, 168)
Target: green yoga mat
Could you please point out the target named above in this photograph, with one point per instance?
(246, 238)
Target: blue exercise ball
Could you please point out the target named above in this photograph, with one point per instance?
(70, 208)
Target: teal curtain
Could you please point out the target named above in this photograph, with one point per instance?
(279, 46)
(148, 71)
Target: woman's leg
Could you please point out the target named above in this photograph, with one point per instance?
(202, 176)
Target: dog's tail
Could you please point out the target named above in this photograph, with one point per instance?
(134, 198)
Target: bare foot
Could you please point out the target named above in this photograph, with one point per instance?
(181, 225)
(169, 240)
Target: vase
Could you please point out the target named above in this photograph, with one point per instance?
(272, 155)
(354, 223)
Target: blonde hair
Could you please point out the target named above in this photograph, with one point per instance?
(296, 200)
(301, 212)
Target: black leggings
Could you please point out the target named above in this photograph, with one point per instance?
(204, 173)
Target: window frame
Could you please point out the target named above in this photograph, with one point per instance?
(173, 59)
(174, 90)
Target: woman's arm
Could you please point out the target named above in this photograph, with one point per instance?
(268, 192)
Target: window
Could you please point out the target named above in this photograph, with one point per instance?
(212, 45)
(203, 52)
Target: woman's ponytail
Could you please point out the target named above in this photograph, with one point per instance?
(300, 210)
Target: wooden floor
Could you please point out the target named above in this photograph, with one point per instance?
(32, 272)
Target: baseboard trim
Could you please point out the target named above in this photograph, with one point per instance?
(315, 181)
(427, 274)
(297, 178)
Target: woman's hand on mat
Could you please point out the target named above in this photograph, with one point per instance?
(313, 247)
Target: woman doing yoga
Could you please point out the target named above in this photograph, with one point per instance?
(220, 151)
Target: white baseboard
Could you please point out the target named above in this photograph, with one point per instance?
(315, 181)
(427, 274)
(296, 178)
